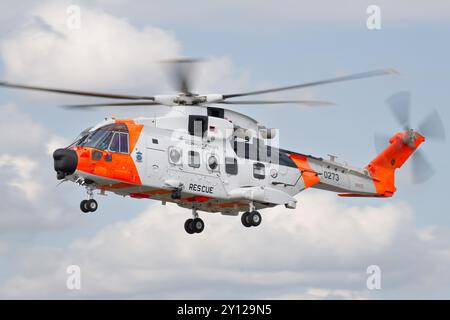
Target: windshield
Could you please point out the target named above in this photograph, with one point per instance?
(102, 137)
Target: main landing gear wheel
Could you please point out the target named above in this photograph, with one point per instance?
(245, 221)
(255, 218)
(88, 205)
(251, 219)
(189, 226)
(194, 225)
(83, 206)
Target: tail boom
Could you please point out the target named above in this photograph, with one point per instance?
(376, 180)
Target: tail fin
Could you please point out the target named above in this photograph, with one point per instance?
(382, 168)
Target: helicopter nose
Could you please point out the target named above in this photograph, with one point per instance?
(65, 162)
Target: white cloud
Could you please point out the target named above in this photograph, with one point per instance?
(23, 168)
(27, 178)
(106, 53)
(55, 143)
(320, 250)
(19, 131)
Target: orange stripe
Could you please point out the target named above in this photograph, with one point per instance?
(310, 177)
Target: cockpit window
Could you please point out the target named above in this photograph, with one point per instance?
(113, 137)
(115, 143)
(99, 139)
(124, 142)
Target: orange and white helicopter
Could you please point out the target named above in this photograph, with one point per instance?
(205, 157)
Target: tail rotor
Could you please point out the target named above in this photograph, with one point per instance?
(432, 128)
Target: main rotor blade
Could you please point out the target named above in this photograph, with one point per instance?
(421, 167)
(432, 127)
(119, 104)
(400, 104)
(309, 103)
(356, 76)
(182, 73)
(74, 92)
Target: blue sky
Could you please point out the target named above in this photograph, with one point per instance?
(251, 46)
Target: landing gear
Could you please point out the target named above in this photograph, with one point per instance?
(255, 218)
(83, 206)
(89, 205)
(251, 219)
(189, 226)
(195, 225)
(244, 219)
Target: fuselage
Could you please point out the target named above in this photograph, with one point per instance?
(210, 159)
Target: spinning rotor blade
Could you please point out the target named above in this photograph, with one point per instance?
(363, 75)
(182, 73)
(432, 127)
(119, 104)
(309, 103)
(381, 141)
(422, 170)
(74, 92)
(400, 103)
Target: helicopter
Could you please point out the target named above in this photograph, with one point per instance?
(207, 158)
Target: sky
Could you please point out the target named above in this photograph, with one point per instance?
(137, 248)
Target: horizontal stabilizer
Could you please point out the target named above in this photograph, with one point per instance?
(361, 195)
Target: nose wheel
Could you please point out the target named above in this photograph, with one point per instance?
(88, 205)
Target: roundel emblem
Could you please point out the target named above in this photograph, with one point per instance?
(273, 173)
(139, 156)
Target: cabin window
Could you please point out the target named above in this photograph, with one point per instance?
(174, 156)
(155, 141)
(213, 162)
(231, 166)
(259, 170)
(194, 159)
